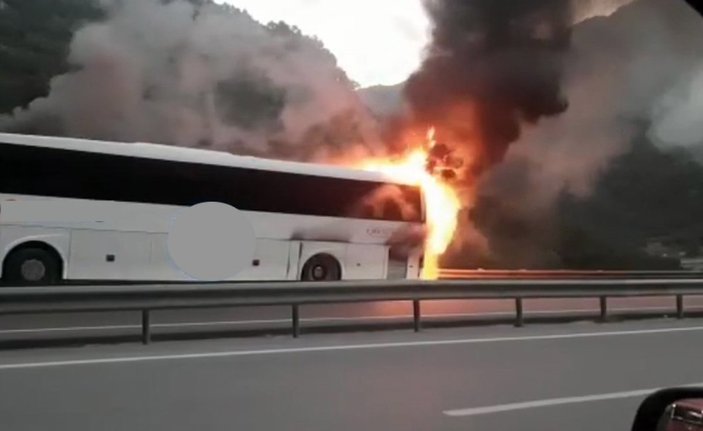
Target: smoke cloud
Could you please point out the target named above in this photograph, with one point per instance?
(677, 117)
(585, 9)
(491, 67)
(200, 75)
(597, 73)
(619, 69)
(621, 73)
(536, 96)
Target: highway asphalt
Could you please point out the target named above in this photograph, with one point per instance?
(579, 376)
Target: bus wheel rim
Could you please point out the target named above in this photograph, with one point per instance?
(33, 270)
(318, 272)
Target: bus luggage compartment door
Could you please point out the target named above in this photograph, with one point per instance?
(109, 255)
(366, 262)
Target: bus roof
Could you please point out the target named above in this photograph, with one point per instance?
(193, 155)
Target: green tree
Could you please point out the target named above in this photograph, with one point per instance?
(34, 40)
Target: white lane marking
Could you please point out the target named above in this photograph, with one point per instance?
(323, 320)
(371, 346)
(550, 402)
(501, 408)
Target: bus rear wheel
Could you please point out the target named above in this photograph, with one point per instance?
(31, 266)
(321, 267)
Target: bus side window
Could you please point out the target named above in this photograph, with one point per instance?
(388, 202)
(367, 211)
(392, 210)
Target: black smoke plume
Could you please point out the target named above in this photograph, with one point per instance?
(492, 66)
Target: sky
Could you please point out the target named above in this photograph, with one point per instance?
(381, 47)
(377, 42)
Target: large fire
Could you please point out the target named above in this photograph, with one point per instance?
(442, 203)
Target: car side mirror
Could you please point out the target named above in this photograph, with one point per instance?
(683, 415)
(675, 409)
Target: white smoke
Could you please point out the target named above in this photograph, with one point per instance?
(171, 72)
(619, 69)
(586, 9)
(622, 68)
(678, 119)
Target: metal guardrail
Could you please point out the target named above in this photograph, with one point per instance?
(147, 298)
(464, 274)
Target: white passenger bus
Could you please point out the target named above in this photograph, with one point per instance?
(105, 208)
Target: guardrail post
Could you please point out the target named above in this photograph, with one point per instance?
(679, 307)
(519, 313)
(295, 315)
(603, 308)
(146, 327)
(417, 316)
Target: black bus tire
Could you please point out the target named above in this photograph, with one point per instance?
(32, 266)
(321, 267)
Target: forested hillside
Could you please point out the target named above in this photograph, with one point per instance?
(34, 39)
(645, 192)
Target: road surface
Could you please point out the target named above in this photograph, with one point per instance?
(580, 376)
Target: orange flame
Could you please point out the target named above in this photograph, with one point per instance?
(442, 203)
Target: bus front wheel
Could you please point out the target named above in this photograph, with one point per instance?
(32, 266)
(321, 267)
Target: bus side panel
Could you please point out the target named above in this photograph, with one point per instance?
(270, 262)
(293, 271)
(13, 236)
(161, 266)
(109, 255)
(366, 262)
(414, 268)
